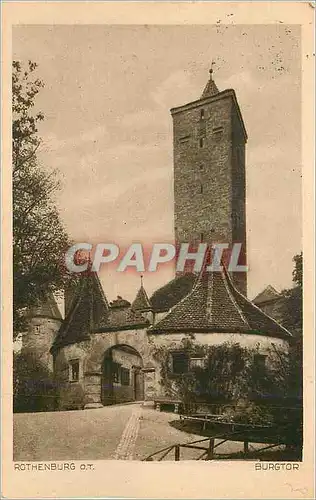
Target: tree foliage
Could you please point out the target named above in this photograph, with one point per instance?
(292, 312)
(39, 238)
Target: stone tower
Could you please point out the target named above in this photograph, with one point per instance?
(209, 139)
(44, 323)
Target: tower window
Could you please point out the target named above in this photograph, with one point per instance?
(202, 237)
(184, 139)
(201, 142)
(218, 130)
(202, 115)
(201, 188)
(37, 329)
(74, 370)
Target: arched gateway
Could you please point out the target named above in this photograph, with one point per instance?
(122, 376)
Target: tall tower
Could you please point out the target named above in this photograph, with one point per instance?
(209, 139)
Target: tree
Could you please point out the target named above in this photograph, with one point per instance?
(39, 238)
(292, 314)
(293, 299)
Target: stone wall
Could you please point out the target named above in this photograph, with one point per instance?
(209, 175)
(90, 353)
(39, 338)
(264, 345)
(86, 392)
(208, 167)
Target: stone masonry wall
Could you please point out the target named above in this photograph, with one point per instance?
(263, 344)
(90, 353)
(208, 166)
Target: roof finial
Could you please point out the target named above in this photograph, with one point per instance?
(211, 69)
(141, 280)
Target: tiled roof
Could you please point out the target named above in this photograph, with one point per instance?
(123, 319)
(141, 302)
(169, 295)
(215, 305)
(91, 312)
(267, 295)
(210, 88)
(48, 308)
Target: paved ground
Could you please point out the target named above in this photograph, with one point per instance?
(121, 432)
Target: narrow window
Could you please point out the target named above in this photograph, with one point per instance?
(202, 237)
(218, 130)
(201, 142)
(201, 167)
(74, 370)
(202, 114)
(37, 329)
(201, 188)
(125, 376)
(184, 139)
(180, 363)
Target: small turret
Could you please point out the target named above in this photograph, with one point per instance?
(142, 303)
(44, 323)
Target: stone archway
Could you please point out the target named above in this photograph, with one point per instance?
(122, 375)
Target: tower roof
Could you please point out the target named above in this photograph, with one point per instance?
(210, 88)
(90, 312)
(215, 305)
(47, 308)
(141, 302)
(269, 294)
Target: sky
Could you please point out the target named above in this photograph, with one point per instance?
(108, 130)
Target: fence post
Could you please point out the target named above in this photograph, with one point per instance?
(210, 454)
(246, 447)
(177, 453)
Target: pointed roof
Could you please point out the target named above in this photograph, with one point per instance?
(90, 312)
(267, 295)
(88, 309)
(47, 308)
(210, 88)
(141, 302)
(215, 305)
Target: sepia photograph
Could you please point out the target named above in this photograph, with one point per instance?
(157, 255)
(136, 149)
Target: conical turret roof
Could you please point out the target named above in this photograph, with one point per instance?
(215, 305)
(47, 308)
(141, 302)
(90, 312)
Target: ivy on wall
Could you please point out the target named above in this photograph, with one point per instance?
(230, 373)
